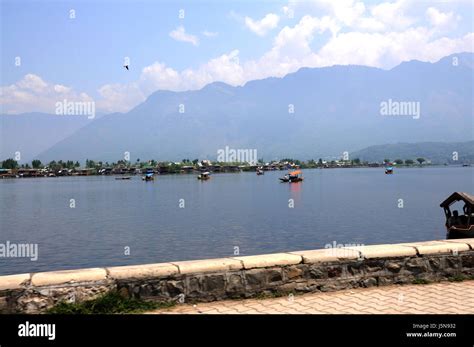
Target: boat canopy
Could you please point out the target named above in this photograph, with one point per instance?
(205, 173)
(294, 173)
(458, 196)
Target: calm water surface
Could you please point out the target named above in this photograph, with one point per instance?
(230, 210)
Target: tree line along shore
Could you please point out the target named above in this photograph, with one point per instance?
(10, 168)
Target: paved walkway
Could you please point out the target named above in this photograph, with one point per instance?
(445, 297)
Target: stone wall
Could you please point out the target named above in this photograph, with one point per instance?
(243, 277)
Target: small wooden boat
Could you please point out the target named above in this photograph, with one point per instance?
(123, 178)
(292, 177)
(260, 171)
(389, 170)
(149, 175)
(459, 226)
(204, 176)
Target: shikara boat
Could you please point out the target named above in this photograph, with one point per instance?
(260, 171)
(459, 226)
(204, 176)
(292, 177)
(389, 170)
(123, 178)
(149, 175)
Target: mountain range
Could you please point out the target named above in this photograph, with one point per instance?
(436, 152)
(335, 109)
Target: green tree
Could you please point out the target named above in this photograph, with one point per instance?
(409, 162)
(9, 164)
(420, 160)
(77, 164)
(386, 160)
(398, 161)
(36, 164)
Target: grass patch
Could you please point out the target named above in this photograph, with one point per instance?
(109, 303)
(460, 278)
(272, 295)
(420, 281)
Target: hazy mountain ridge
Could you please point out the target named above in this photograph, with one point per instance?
(33, 133)
(336, 109)
(437, 152)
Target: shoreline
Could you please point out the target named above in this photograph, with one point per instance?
(24, 174)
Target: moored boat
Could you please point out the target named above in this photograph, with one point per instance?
(389, 170)
(459, 226)
(260, 171)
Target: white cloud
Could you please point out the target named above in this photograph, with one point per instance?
(33, 94)
(210, 33)
(346, 11)
(393, 15)
(264, 25)
(440, 20)
(179, 34)
(377, 17)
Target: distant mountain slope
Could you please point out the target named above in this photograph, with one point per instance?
(33, 133)
(336, 109)
(437, 152)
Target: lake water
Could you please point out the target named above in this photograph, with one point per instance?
(230, 210)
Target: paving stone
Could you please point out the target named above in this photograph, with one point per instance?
(438, 298)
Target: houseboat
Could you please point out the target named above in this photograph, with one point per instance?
(459, 225)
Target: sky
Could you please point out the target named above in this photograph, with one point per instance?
(76, 50)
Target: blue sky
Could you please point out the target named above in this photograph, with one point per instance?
(81, 58)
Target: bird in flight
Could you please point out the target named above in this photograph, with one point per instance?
(126, 66)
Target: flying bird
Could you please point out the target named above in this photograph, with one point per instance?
(126, 66)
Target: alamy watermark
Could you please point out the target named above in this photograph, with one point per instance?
(28, 329)
(230, 155)
(75, 108)
(19, 250)
(341, 250)
(400, 108)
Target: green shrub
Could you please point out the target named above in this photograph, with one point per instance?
(109, 303)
